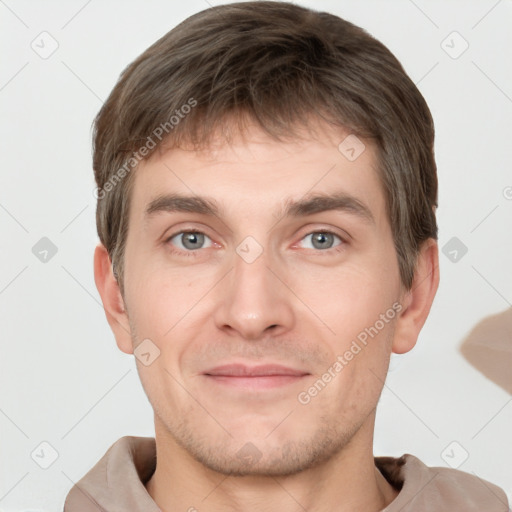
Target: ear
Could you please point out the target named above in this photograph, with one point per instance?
(417, 301)
(113, 302)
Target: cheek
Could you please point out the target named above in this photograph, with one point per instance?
(355, 377)
(161, 383)
(159, 300)
(360, 310)
(169, 311)
(348, 299)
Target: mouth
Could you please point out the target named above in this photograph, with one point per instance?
(260, 377)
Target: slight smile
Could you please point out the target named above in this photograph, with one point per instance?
(260, 377)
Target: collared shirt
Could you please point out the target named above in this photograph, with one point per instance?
(117, 484)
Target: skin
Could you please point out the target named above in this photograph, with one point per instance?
(298, 304)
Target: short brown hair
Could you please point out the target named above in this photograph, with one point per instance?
(278, 64)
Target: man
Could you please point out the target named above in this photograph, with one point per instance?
(226, 156)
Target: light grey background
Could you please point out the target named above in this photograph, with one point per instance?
(62, 379)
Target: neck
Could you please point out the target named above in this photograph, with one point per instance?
(346, 482)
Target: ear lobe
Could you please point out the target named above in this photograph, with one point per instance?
(418, 300)
(113, 302)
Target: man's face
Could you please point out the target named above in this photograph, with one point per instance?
(254, 308)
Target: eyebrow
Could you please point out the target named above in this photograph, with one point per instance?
(308, 205)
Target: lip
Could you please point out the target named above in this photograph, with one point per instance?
(258, 377)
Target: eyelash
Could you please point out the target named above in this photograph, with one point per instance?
(194, 254)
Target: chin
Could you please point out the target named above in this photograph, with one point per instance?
(275, 455)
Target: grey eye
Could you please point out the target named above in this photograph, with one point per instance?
(189, 240)
(322, 239)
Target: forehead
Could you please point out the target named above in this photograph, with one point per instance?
(271, 175)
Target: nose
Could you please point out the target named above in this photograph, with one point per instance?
(254, 299)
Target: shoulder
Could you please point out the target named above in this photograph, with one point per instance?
(438, 488)
(117, 478)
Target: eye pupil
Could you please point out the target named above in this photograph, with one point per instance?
(192, 238)
(322, 238)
